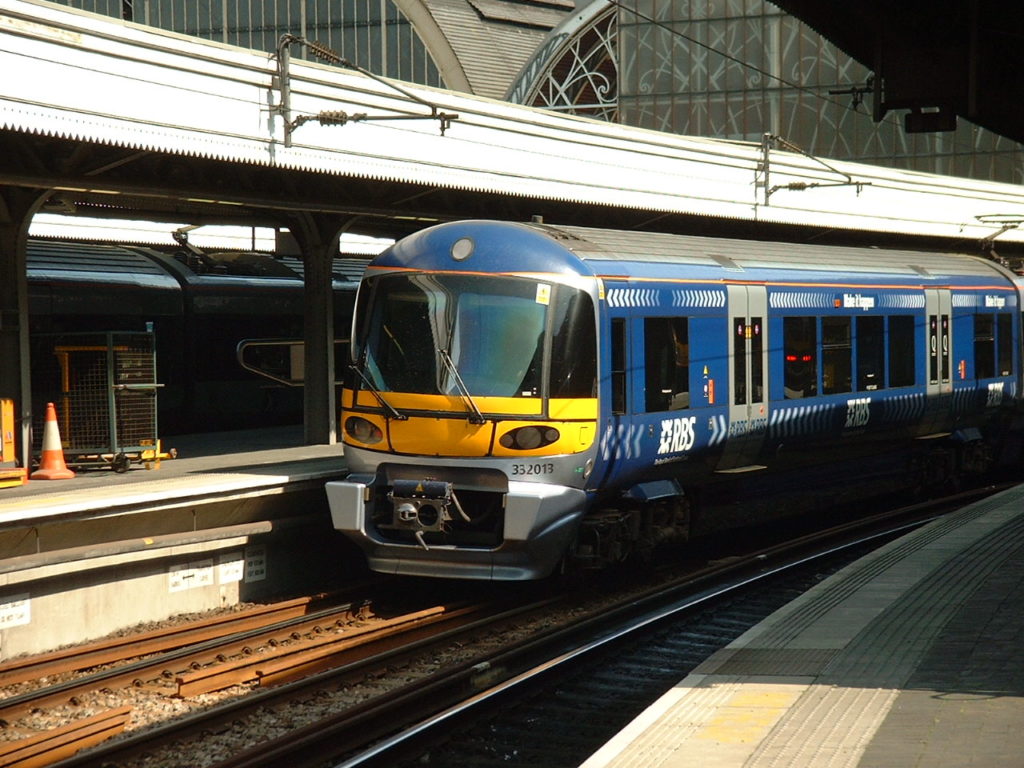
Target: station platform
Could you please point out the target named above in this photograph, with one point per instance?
(206, 465)
(235, 517)
(911, 656)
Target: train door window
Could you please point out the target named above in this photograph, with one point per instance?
(739, 377)
(944, 322)
(870, 353)
(667, 356)
(836, 355)
(902, 351)
(756, 360)
(933, 349)
(1004, 341)
(573, 345)
(800, 345)
(984, 346)
(618, 365)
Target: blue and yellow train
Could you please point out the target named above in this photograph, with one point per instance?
(524, 394)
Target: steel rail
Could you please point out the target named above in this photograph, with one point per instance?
(156, 641)
(441, 698)
(288, 663)
(47, 748)
(147, 739)
(527, 666)
(155, 667)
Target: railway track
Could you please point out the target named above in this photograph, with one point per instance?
(450, 717)
(388, 671)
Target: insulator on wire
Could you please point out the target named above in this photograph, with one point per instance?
(321, 51)
(335, 117)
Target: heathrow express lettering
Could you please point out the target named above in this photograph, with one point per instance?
(857, 301)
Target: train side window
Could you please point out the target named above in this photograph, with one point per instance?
(756, 360)
(739, 375)
(870, 353)
(902, 351)
(933, 349)
(984, 346)
(836, 355)
(618, 365)
(1004, 341)
(946, 351)
(667, 356)
(800, 345)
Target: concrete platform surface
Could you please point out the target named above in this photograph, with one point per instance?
(206, 464)
(911, 657)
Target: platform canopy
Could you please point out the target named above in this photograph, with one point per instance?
(114, 115)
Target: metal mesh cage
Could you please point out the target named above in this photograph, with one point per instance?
(105, 391)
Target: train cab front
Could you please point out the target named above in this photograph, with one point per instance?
(469, 412)
(475, 524)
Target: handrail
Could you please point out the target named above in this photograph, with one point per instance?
(296, 364)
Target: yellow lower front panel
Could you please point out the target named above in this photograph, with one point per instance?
(441, 437)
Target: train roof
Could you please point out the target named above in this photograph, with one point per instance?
(75, 262)
(625, 247)
(61, 260)
(344, 269)
(504, 247)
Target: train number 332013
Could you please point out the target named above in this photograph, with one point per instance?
(542, 468)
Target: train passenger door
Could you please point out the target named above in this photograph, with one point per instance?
(748, 377)
(938, 372)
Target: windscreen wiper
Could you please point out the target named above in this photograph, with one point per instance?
(395, 413)
(475, 416)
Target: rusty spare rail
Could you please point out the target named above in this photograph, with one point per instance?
(156, 641)
(168, 664)
(47, 748)
(284, 663)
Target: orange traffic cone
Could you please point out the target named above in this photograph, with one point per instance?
(51, 465)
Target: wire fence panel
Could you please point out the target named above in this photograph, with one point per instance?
(105, 390)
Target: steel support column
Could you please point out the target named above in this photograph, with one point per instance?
(17, 206)
(318, 237)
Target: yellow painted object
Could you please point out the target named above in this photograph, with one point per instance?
(10, 474)
(151, 457)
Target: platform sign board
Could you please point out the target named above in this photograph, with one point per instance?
(15, 611)
(198, 573)
(230, 567)
(255, 563)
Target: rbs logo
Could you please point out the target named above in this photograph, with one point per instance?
(857, 412)
(677, 435)
(995, 394)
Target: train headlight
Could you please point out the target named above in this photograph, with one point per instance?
(529, 438)
(363, 431)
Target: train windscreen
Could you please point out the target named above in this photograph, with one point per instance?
(486, 335)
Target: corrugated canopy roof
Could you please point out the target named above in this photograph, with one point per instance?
(93, 79)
